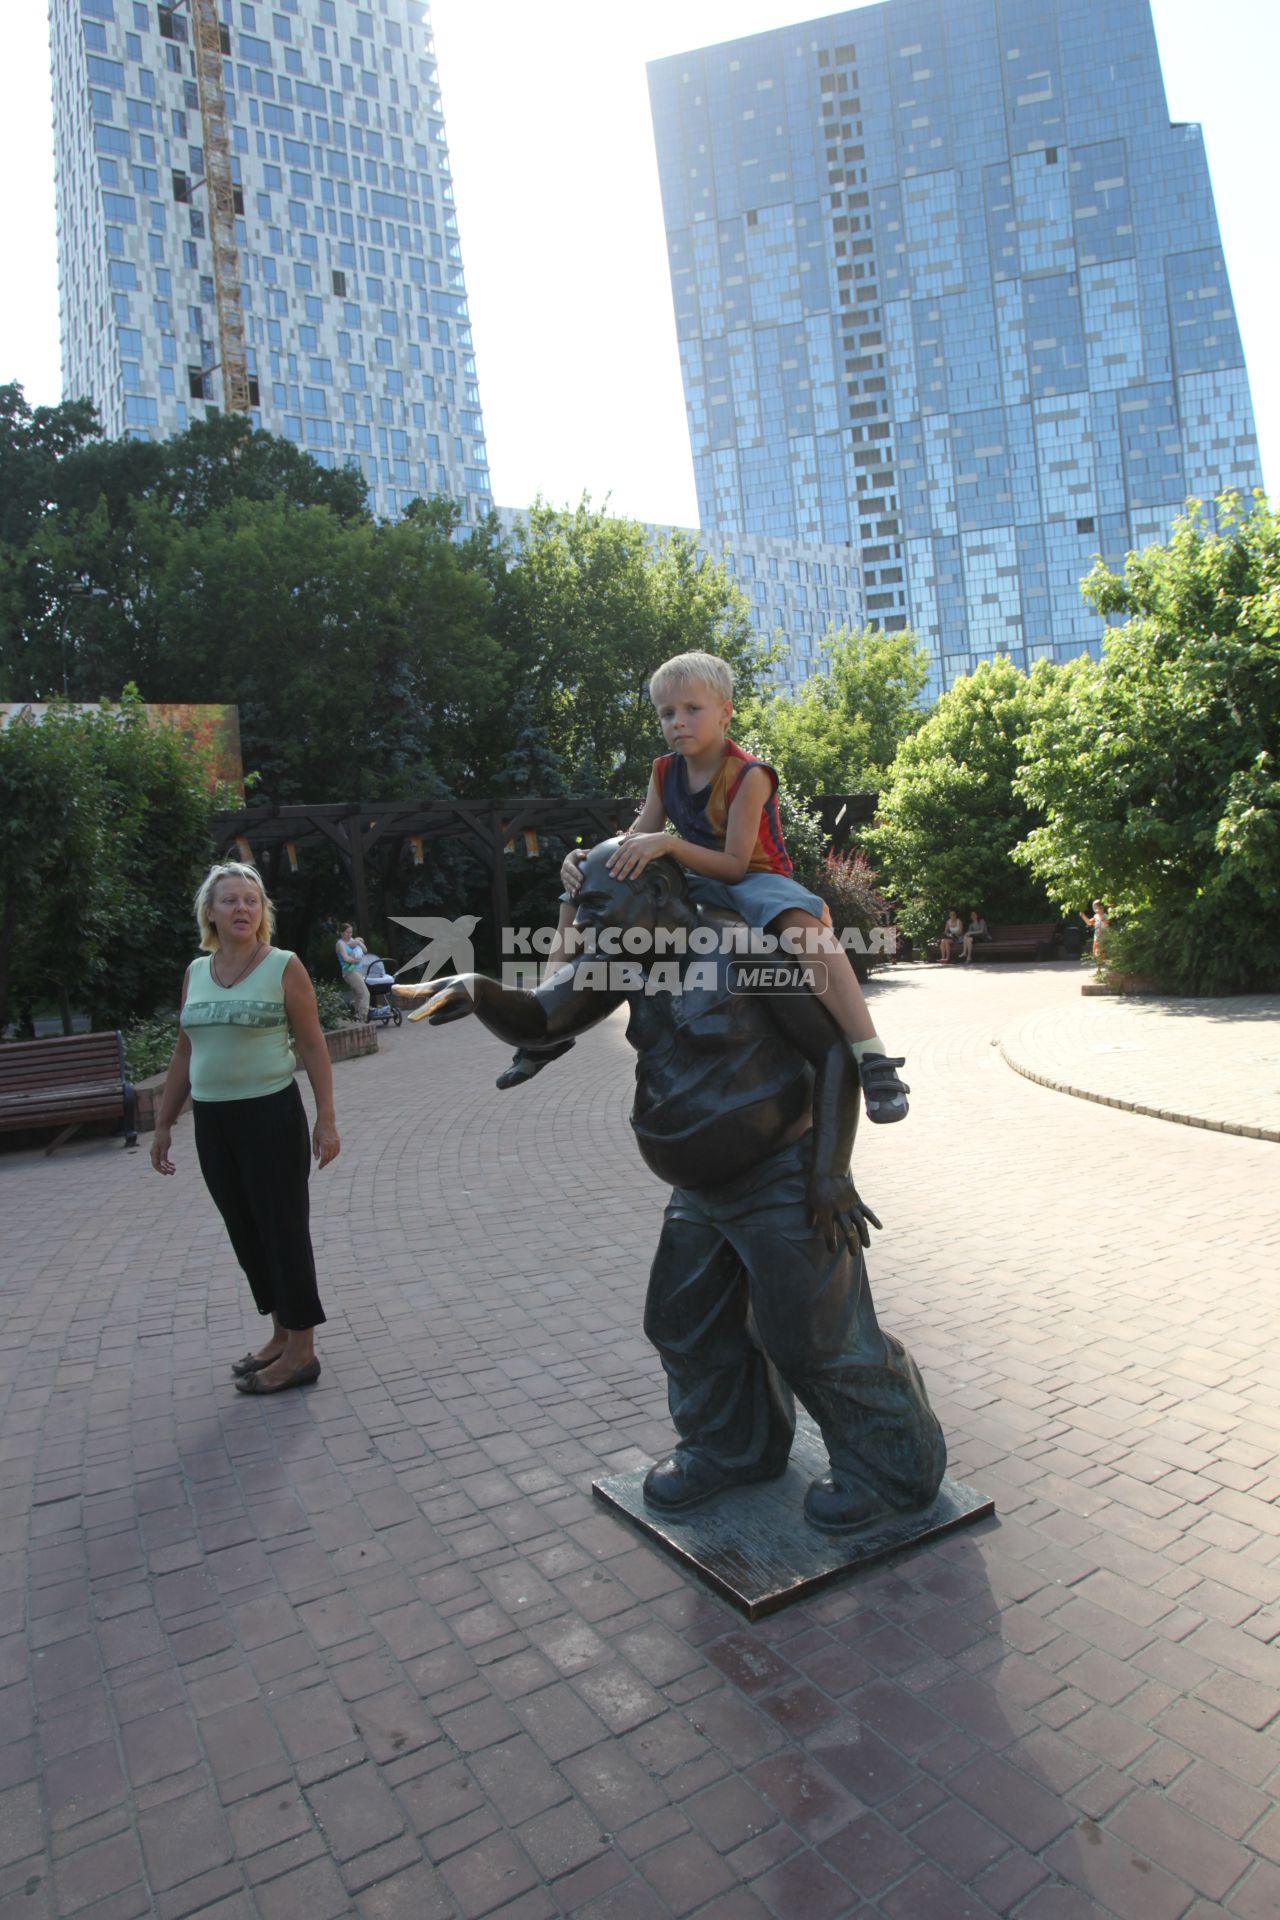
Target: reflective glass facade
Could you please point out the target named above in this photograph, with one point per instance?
(949, 288)
(359, 343)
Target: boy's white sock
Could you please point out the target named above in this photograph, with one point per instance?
(860, 1047)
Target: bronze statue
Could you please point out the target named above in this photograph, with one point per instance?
(747, 1105)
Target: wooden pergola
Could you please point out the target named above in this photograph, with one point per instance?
(272, 835)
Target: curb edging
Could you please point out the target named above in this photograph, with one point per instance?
(1135, 1106)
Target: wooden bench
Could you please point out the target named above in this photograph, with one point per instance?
(64, 1082)
(1033, 942)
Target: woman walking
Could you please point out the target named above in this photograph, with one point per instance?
(241, 1002)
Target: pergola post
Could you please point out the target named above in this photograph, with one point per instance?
(359, 886)
(498, 891)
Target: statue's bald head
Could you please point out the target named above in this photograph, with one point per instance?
(661, 891)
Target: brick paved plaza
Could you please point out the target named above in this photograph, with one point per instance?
(372, 1649)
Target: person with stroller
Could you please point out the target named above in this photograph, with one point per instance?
(352, 954)
(246, 1008)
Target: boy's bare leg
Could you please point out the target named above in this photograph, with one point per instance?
(842, 996)
(884, 1094)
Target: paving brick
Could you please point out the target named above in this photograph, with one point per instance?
(870, 1854)
(1011, 1801)
(488, 1875)
(21, 1828)
(1121, 1881)
(97, 1871)
(959, 1841)
(561, 1839)
(355, 1812)
(929, 1891)
(685, 1873)
(311, 1892)
(417, 1893)
(1183, 1845)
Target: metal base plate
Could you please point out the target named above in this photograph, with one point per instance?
(754, 1546)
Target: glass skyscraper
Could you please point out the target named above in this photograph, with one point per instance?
(339, 232)
(949, 289)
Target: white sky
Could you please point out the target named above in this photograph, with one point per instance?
(547, 112)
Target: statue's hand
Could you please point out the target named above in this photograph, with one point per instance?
(839, 1212)
(444, 1000)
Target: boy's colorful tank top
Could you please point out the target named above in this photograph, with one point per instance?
(703, 817)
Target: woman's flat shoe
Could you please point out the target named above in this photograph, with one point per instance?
(303, 1377)
(250, 1364)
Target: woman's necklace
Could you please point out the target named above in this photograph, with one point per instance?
(226, 985)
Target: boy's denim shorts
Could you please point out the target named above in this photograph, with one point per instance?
(757, 898)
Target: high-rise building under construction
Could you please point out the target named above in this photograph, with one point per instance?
(255, 214)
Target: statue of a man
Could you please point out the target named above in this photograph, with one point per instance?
(747, 1105)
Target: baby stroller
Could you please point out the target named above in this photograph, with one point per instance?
(382, 1008)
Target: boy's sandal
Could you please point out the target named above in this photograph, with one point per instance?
(885, 1095)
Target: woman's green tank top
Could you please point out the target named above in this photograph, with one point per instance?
(240, 1045)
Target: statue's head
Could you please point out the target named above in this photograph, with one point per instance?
(658, 897)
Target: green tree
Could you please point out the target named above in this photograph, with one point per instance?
(951, 815)
(589, 607)
(1156, 768)
(35, 444)
(105, 835)
(839, 733)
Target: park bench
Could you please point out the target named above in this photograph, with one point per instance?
(64, 1082)
(1033, 942)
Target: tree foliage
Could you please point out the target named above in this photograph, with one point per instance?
(951, 813)
(1156, 770)
(369, 660)
(589, 608)
(104, 834)
(841, 731)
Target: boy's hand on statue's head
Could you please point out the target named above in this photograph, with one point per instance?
(571, 871)
(635, 853)
(839, 1211)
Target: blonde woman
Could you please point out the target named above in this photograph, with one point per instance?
(242, 1000)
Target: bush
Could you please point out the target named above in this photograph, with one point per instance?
(149, 1044)
(335, 1008)
(952, 813)
(848, 885)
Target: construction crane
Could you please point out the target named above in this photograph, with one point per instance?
(207, 34)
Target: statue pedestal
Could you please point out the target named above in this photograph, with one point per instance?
(754, 1546)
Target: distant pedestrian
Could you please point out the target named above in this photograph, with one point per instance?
(242, 1001)
(1099, 920)
(952, 937)
(352, 954)
(975, 933)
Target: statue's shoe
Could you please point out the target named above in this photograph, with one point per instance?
(836, 1508)
(685, 1480)
(528, 1061)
